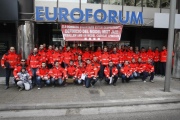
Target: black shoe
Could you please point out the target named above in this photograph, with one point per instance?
(6, 87)
(114, 84)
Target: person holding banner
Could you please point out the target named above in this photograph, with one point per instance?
(110, 73)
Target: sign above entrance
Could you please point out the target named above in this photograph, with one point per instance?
(89, 32)
(112, 16)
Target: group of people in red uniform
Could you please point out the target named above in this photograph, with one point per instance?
(57, 64)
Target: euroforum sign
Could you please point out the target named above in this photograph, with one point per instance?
(112, 15)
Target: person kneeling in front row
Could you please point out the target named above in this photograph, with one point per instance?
(110, 73)
(57, 74)
(80, 74)
(127, 72)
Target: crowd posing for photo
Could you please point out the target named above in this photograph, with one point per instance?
(57, 64)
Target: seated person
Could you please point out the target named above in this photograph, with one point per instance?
(150, 70)
(126, 72)
(91, 74)
(141, 66)
(80, 72)
(78, 61)
(133, 66)
(70, 70)
(43, 75)
(57, 74)
(23, 80)
(110, 73)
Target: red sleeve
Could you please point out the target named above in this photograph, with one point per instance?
(51, 73)
(15, 71)
(106, 72)
(115, 72)
(39, 73)
(3, 61)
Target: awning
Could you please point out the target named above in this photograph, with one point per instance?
(90, 32)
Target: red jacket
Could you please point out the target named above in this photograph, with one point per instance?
(156, 56)
(11, 58)
(76, 52)
(133, 66)
(79, 72)
(18, 69)
(34, 60)
(125, 54)
(43, 72)
(49, 55)
(136, 56)
(43, 57)
(104, 58)
(149, 68)
(141, 67)
(163, 56)
(107, 71)
(76, 63)
(97, 64)
(121, 56)
(57, 73)
(130, 55)
(126, 70)
(114, 57)
(91, 70)
(150, 54)
(86, 55)
(97, 54)
(56, 56)
(67, 56)
(143, 57)
(70, 70)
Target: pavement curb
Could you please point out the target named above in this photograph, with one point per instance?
(8, 107)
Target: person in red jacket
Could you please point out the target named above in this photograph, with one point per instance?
(49, 56)
(111, 72)
(163, 58)
(141, 67)
(150, 70)
(97, 54)
(143, 55)
(136, 54)
(43, 75)
(133, 66)
(57, 73)
(150, 54)
(9, 61)
(33, 62)
(91, 74)
(157, 61)
(86, 55)
(104, 60)
(44, 47)
(18, 69)
(121, 55)
(76, 51)
(42, 52)
(71, 70)
(126, 72)
(56, 56)
(67, 56)
(130, 54)
(78, 61)
(80, 71)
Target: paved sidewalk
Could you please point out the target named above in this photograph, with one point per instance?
(74, 96)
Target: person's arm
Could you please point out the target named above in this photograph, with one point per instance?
(3, 60)
(15, 71)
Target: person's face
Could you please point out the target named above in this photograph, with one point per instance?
(43, 65)
(136, 48)
(149, 48)
(119, 47)
(126, 62)
(139, 60)
(41, 47)
(71, 63)
(56, 49)
(53, 46)
(131, 48)
(68, 48)
(142, 50)
(164, 48)
(23, 62)
(133, 60)
(50, 47)
(110, 63)
(66, 43)
(76, 45)
(12, 49)
(44, 45)
(99, 48)
(88, 61)
(81, 65)
(105, 49)
(79, 58)
(92, 48)
(149, 61)
(95, 58)
(57, 64)
(35, 50)
(23, 70)
(157, 49)
(114, 49)
(60, 48)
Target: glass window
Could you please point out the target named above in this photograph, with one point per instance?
(113, 2)
(165, 3)
(92, 1)
(151, 3)
(132, 3)
(72, 1)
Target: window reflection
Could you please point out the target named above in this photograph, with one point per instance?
(151, 3)
(132, 3)
(94, 1)
(113, 2)
(165, 3)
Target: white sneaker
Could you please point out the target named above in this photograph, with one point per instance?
(144, 81)
(39, 88)
(152, 81)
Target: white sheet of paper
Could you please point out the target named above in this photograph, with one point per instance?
(83, 76)
(110, 80)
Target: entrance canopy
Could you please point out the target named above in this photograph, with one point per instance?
(90, 32)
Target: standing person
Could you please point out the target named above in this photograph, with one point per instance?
(42, 52)
(97, 54)
(136, 54)
(126, 72)
(61, 49)
(133, 66)
(157, 61)
(111, 73)
(97, 65)
(143, 55)
(163, 58)
(121, 55)
(104, 60)
(33, 62)
(49, 56)
(9, 61)
(18, 68)
(86, 55)
(76, 51)
(57, 74)
(56, 56)
(43, 75)
(130, 54)
(24, 81)
(150, 54)
(44, 47)
(91, 73)
(150, 70)
(67, 56)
